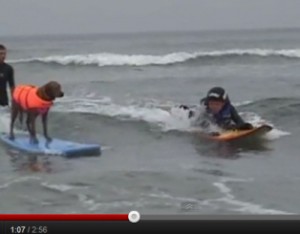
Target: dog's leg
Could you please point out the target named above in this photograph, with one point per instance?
(45, 126)
(13, 116)
(21, 113)
(31, 127)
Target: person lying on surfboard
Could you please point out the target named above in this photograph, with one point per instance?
(218, 110)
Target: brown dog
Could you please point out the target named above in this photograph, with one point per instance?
(34, 101)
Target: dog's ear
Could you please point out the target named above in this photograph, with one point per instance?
(48, 91)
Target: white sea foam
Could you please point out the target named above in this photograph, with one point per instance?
(111, 59)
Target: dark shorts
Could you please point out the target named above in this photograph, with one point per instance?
(3, 99)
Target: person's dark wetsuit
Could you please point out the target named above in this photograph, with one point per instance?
(6, 77)
(227, 118)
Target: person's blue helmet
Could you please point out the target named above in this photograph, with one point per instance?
(217, 93)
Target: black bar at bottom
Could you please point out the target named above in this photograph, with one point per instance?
(2, 229)
(83, 227)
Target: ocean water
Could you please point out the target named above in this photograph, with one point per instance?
(123, 91)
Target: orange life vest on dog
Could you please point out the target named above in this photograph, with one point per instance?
(26, 97)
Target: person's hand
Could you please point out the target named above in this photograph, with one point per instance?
(185, 107)
(245, 126)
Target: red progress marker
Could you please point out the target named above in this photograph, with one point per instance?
(64, 217)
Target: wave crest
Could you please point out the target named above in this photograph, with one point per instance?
(111, 59)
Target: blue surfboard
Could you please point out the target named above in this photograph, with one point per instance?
(55, 147)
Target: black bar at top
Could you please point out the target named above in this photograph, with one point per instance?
(96, 227)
